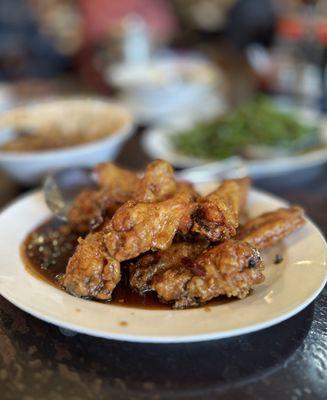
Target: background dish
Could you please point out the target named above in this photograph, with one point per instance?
(30, 167)
(168, 85)
(280, 297)
(157, 144)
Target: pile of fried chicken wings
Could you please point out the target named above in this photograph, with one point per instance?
(168, 239)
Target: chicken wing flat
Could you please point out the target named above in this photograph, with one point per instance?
(143, 269)
(271, 227)
(139, 227)
(118, 186)
(217, 215)
(91, 272)
(231, 268)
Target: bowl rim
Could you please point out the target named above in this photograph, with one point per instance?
(178, 61)
(125, 130)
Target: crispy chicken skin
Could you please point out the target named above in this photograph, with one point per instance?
(157, 184)
(116, 187)
(231, 268)
(139, 227)
(119, 181)
(90, 208)
(145, 267)
(91, 272)
(217, 215)
(271, 227)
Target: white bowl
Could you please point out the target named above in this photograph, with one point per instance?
(30, 167)
(166, 85)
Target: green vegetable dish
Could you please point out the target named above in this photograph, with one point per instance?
(257, 124)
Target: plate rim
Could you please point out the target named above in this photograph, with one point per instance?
(79, 328)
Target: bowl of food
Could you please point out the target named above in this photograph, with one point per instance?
(166, 85)
(258, 132)
(42, 137)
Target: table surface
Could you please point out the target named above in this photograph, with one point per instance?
(287, 361)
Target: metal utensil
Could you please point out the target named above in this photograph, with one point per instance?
(61, 187)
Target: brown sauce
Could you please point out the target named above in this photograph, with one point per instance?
(46, 252)
(50, 139)
(47, 249)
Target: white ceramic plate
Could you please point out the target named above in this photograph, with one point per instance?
(157, 144)
(289, 287)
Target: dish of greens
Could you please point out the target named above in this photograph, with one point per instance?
(253, 130)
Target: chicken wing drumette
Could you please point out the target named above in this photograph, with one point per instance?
(91, 272)
(217, 215)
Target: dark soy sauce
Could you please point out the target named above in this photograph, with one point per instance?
(46, 252)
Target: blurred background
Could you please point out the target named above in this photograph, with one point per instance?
(164, 59)
(69, 46)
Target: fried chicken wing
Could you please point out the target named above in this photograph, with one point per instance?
(185, 186)
(118, 186)
(217, 215)
(231, 268)
(139, 227)
(90, 208)
(91, 272)
(144, 268)
(157, 184)
(120, 182)
(271, 227)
